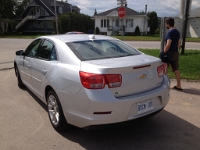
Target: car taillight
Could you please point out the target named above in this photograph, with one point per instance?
(92, 81)
(98, 81)
(114, 80)
(162, 70)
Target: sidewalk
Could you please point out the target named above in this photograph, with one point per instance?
(156, 45)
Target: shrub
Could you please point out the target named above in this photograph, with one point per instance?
(157, 31)
(97, 30)
(137, 31)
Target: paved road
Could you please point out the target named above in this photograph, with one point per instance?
(24, 122)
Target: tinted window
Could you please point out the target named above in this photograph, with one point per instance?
(101, 49)
(47, 51)
(32, 48)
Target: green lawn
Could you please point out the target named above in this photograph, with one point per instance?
(139, 38)
(150, 38)
(189, 64)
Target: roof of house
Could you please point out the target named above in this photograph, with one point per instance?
(195, 13)
(129, 12)
(48, 5)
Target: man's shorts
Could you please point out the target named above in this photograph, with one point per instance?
(174, 63)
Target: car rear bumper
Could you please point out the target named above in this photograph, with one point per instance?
(81, 112)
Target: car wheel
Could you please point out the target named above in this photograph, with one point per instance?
(19, 81)
(55, 112)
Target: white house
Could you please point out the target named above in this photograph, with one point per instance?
(109, 23)
(193, 29)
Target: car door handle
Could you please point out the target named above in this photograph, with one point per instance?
(44, 72)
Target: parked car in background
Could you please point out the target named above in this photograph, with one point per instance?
(90, 80)
(75, 32)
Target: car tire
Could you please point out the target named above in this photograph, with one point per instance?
(19, 80)
(55, 112)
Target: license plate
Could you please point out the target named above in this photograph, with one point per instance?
(144, 106)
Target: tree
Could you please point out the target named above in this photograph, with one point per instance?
(7, 13)
(153, 21)
(64, 23)
(75, 22)
(20, 8)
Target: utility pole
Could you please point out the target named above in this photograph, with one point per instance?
(56, 18)
(163, 33)
(185, 25)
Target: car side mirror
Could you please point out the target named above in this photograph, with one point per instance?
(20, 53)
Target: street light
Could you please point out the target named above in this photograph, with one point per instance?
(56, 18)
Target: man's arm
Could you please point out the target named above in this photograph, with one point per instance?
(179, 44)
(167, 46)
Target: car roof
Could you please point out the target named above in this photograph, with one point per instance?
(78, 37)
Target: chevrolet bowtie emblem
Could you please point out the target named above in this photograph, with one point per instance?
(142, 76)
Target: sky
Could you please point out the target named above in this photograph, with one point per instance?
(164, 8)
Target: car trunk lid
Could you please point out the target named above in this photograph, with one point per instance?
(139, 73)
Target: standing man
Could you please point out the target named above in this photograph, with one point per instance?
(172, 45)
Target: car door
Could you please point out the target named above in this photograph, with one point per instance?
(28, 61)
(46, 59)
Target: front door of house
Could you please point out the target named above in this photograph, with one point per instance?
(113, 24)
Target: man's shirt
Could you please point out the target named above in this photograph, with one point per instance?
(173, 35)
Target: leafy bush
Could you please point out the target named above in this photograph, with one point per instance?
(137, 31)
(64, 23)
(157, 31)
(97, 30)
(75, 22)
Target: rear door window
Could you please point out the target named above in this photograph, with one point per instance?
(32, 48)
(47, 51)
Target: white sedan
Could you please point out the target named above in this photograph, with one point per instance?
(90, 80)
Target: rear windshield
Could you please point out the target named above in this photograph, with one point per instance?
(101, 49)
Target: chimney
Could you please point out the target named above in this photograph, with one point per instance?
(145, 9)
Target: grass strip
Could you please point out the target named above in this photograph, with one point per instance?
(189, 63)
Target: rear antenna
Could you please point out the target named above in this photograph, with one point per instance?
(92, 37)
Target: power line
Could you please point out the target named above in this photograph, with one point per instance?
(83, 5)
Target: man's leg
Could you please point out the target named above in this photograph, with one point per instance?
(178, 78)
(175, 66)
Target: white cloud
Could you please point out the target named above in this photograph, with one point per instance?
(163, 8)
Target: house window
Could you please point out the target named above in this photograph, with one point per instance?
(37, 9)
(102, 23)
(108, 23)
(44, 13)
(49, 25)
(41, 24)
(117, 23)
(60, 10)
(129, 23)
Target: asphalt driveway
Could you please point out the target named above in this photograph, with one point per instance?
(24, 122)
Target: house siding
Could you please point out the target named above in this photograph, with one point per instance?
(193, 29)
(128, 24)
(139, 21)
(39, 15)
